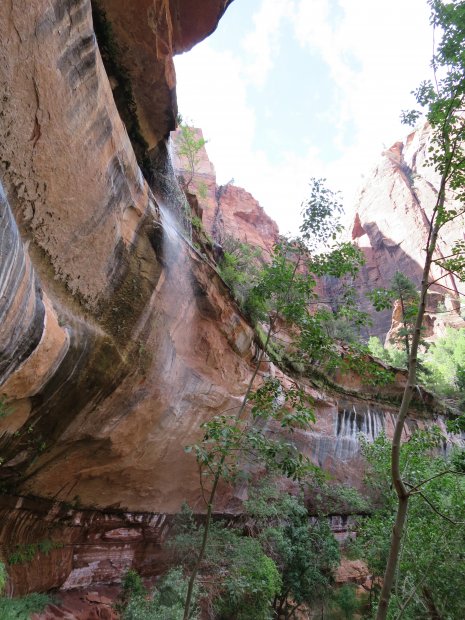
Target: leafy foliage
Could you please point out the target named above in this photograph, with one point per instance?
(240, 268)
(431, 568)
(251, 584)
(23, 554)
(188, 146)
(132, 586)
(305, 553)
(391, 355)
(228, 440)
(240, 580)
(445, 365)
(321, 215)
(3, 577)
(22, 608)
(345, 599)
(166, 601)
(404, 291)
(282, 294)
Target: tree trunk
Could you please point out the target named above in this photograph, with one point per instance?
(430, 604)
(206, 531)
(396, 475)
(211, 499)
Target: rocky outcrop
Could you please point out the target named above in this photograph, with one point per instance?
(145, 36)
(392, 219)
(240, 215)
(225, 210)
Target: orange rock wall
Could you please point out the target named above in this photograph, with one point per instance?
(227, 210)
(392, 219)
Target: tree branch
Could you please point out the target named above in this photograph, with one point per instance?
(438, 512)
(415, 488)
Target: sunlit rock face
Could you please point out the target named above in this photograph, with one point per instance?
(392, 220)
(226, 210)
(100, 310)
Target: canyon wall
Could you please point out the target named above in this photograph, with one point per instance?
(118, 338)
(225, 210)
(391, 224)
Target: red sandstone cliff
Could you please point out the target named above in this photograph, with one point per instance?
(226, 210)
(117, 338)
(391, 225)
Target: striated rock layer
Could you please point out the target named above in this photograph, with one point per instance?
(391, 226)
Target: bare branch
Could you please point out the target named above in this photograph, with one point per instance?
(449, 273)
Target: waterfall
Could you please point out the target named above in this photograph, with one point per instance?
(171, 236)
(344, 441)
(164, 184)
(350, 424)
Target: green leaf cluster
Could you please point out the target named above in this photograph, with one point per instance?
(165, 602)
(444, 364)
(240, 581)
(305, 551)
(240, 268)
(390, 355)
(23, 607)
(22, 554)
(431, 569)
(188, 146)
(228, 441)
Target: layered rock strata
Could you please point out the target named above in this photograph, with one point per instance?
(391, 225)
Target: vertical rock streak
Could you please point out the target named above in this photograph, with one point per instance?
(21, 308)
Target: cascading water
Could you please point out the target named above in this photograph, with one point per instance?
(171, 236)
(350, 425)
(344, 442)
(165, 186)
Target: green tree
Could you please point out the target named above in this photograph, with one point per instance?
(241, 581)
(166, 601)
(283, 294)
(444, 363)
(23, 607)
(390, 355)
(306, 553)
(240, 267)
(431, 571)
(230, 440)
(188, 146)
(252, 582)
(403, 290)
(444, 101)
(345, 599)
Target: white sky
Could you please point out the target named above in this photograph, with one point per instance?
(289, 89)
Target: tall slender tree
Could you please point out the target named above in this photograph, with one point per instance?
(283, 293)
(444, 101)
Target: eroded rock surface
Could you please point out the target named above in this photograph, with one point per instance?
(225, 210)
(392, 220)
(117, 337)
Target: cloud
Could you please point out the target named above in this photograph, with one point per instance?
(262, 44)
(374, 52)
(212, 94)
